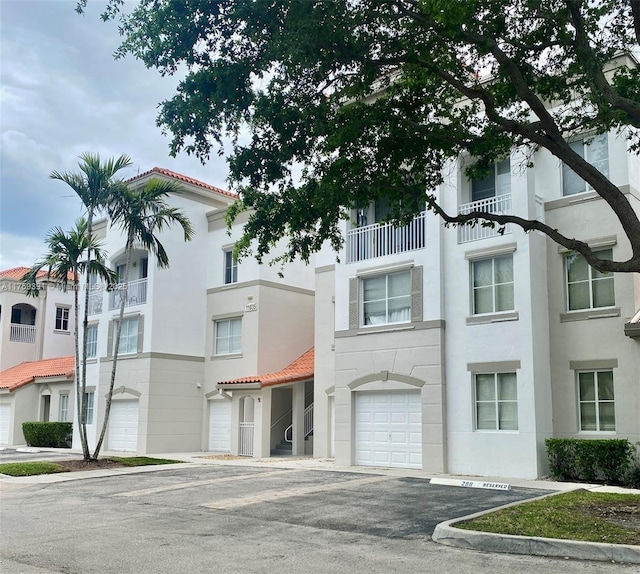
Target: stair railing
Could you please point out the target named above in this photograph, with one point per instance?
(308, 425)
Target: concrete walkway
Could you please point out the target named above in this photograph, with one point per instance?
(445, 533)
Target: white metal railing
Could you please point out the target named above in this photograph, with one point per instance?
(500, 204)
(22, 333)
(95, 303)
(245, 447)
(308, 425)
(136, 294)
(381, 239)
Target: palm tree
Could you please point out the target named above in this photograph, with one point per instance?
(140, 214)
(64, 262)
(95, 185)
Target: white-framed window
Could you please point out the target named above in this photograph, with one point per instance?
(596, 152)
(497, 182)
(89, 404)
(62, 318)
(588, 288)
(228, 336)
(496, 397)
(92, 341)
(128, 336)
(386, 298)
(63, 408)
(595, 395)
(230, 267)
(492, 281)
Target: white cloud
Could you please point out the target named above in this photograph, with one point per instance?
(19, 251)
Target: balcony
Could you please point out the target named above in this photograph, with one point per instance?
(500, 205)
(136, 295)
(380, 239)
(22, 333)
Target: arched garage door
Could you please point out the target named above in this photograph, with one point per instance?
(388, 429)
(123, 426)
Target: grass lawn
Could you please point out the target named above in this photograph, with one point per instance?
(32, 468)
(576, 515)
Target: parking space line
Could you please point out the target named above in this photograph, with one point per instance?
(282, 493)
(195, 483)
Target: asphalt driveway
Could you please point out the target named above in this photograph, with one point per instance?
(235, 519)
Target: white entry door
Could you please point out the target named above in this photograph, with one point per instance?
(388, 429)
(5, 423)
(123, 426)
(220, 426)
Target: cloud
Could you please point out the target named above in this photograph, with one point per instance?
(19, 251)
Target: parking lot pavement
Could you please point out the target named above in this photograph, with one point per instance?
(214, 518)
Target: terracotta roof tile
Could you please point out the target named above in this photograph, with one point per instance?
(16, 273)
(186, 179)
(26, 373)
(301, 369)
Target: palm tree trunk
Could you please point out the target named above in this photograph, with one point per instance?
(116, 344)
(76, 311)
(85, 329)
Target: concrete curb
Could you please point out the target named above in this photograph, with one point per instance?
(447, 534)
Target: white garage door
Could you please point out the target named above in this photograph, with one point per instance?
(220, 426)
(5, 423)
(388, 429)
(123, 426)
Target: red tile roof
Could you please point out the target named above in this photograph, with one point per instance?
(26, 373)
(300, 370)
(186, 179)
(16, 273)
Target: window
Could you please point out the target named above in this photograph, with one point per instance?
(63, 409)
(128, 336)
(386, 299)
(62, 318)
(88, 403)
(493, 285)
(595, 389)
(92, 341)
(228, 336)
(230, 268)
(498, 182)
(596, 152)
(588, 288)
(496, 401)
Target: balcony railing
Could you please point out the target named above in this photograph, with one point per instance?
(500, 204)
(380, 239)
(136, 294)
(22, 333)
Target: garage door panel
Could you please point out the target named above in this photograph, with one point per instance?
(388, 429)
(220, 426)
(5, 423)
(123, 426)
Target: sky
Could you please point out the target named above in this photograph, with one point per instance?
(62, 94)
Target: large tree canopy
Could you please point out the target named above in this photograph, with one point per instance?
(332, 104)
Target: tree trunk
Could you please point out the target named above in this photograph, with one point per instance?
(82, 405)
(116, 344)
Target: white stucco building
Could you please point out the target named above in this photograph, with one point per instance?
(204, 319)
(462, 350)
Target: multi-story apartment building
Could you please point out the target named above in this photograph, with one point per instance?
(204, 319)
(34, 333)
(462, 350)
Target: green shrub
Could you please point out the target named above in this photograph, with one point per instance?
(606, 460)
(48, 434)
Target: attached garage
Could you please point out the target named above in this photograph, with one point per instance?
(220, 425)
(123, 426)
(388, 429)
(5, 423)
